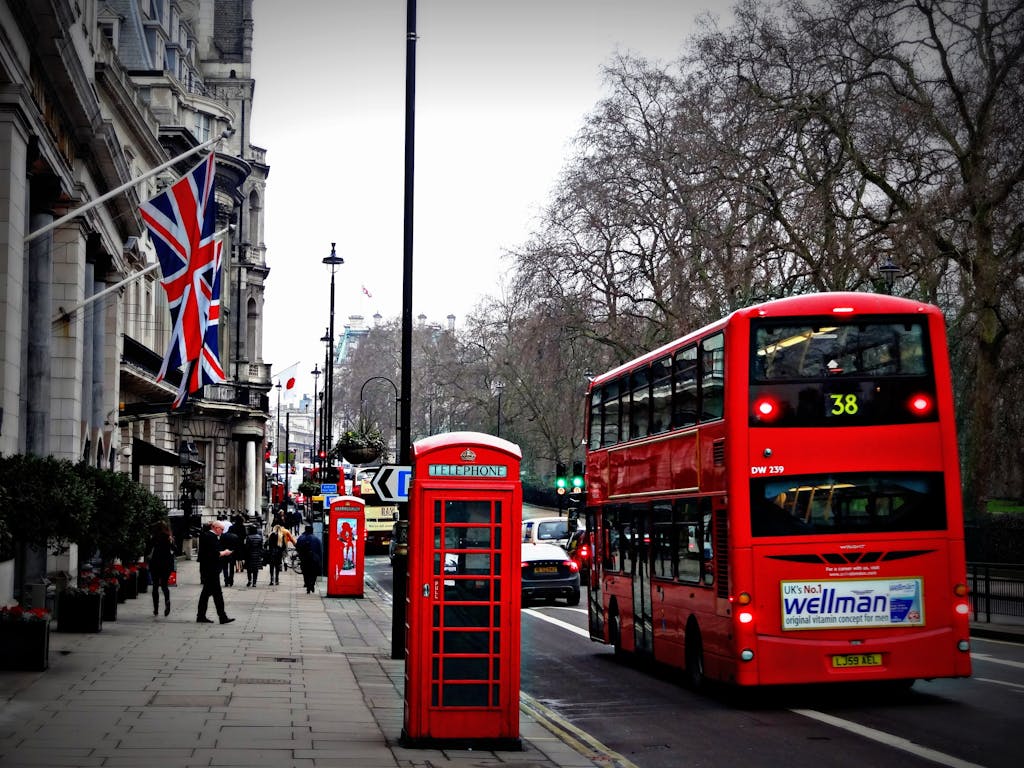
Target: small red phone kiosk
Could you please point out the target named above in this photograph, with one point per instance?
(346, 522)
(462, 622)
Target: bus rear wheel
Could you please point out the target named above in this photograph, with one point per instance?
(615, 634)
(694, 658)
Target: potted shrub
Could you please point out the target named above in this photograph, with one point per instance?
(24, 638)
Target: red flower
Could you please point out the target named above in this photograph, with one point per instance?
(16, 613)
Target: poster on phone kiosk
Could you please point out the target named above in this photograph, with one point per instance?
(346, 538)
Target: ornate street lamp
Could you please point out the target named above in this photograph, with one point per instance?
(890, 271)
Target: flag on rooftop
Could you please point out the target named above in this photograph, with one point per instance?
(180, 221)
(368, 294)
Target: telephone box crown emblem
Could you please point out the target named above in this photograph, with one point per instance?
(468, 455)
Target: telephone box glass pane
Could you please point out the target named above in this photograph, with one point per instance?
(467, 589)
(459, 615)
(466, 642)
(465, 669)
(467, 512)
(465, 695)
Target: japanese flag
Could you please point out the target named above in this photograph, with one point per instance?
(286, 378)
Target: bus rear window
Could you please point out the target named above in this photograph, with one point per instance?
(788, 352)
(835, 374)
(849, 503)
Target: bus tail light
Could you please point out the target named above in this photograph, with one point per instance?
(920, 405)
(766, 409)
(961, 605)
(746, 615)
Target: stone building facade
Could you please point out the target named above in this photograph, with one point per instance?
(94, 96)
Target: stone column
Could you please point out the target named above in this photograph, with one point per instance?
(251, 477)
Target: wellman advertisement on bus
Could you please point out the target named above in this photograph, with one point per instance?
(852, 603)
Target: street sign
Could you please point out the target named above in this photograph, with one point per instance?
(326, 488)
(391, 483)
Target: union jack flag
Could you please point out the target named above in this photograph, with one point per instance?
(180, 221)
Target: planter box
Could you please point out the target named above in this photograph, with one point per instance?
(80, 613)
(129, 587)
(143, 580)
(110, 603)
(25, 645)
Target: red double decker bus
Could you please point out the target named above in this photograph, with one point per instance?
(776, 497)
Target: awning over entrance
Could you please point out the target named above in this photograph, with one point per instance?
(146, 454)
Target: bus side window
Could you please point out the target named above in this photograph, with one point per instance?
(684, 396)
(712, 387)
(661, 395)
(690, 557)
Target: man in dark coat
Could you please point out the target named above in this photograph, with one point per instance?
(211, 559)
(311, 557)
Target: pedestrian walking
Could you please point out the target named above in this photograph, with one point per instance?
(253, 554)
(238, 529)
(229, 540)
(160, 562)
(277, 547)
(211, 559)
(311, 558)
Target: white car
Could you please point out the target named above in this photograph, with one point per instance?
(549, 530)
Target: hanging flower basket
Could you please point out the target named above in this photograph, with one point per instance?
(362, 445)
(360, 454)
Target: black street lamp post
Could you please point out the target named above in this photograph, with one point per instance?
(313, 459)
(326, 339)
(397, 403)
(499, 385)
(333, 261)
(277, 444)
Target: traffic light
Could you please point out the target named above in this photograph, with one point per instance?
(561, 482)
(577, 476)
(575, 494)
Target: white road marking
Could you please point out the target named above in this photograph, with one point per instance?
(887, 738)
(557, 622)
(994, 660)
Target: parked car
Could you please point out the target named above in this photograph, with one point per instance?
(549, 573)
(550, 530)
(581, 551)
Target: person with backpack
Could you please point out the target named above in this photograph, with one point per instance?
(277, 546)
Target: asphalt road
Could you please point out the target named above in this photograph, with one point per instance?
(649, 717)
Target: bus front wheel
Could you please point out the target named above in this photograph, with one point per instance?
(694, 657)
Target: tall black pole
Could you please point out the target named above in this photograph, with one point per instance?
(333, 261)
(401, 561)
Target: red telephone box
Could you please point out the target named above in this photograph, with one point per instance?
(462, 622)
(346, 534)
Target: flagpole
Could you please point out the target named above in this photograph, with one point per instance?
(65, 314)
(227, 133)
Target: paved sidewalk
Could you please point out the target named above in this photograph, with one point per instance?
(297, 680)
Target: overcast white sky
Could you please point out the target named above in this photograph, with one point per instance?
(502, 86)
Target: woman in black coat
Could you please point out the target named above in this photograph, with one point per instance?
(161, 564)
(253, 554)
